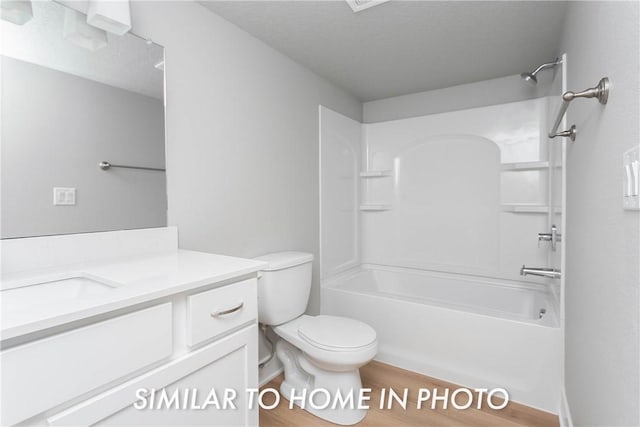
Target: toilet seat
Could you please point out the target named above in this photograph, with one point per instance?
(334, 333)
(320, 341)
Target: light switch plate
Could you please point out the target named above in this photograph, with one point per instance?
(64, 196)
(631, 179)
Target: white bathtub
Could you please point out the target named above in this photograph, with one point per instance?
(471, 331)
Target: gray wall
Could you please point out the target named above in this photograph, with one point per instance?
(242, 123)
(479, 94)
(603, 240)
(56, 127)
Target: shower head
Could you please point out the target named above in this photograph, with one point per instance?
(531, 77)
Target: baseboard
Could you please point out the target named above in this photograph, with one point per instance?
(267, 374)
(565, 414)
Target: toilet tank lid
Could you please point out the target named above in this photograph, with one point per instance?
(280, 260)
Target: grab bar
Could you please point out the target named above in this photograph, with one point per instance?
(601, 92)
(106, 166)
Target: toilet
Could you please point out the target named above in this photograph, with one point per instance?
(318, 352)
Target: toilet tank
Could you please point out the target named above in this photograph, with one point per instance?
(284, 286)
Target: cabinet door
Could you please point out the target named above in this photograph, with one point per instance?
(230, 363)
(45, 373)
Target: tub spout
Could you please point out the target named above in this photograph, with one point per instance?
(542, 272)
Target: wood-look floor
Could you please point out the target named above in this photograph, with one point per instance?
(378, 375)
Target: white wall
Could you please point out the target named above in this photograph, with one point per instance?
(603, 240)
(56, 128)
(242, 126)
(478, 94)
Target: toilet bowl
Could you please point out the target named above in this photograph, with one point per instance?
(321, 354)
(321, 357)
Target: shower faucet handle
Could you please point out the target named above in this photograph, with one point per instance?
(554, 237)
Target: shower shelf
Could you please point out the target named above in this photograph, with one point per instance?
(375, 174)
(375, 207)
(527, 166)
(528, 208)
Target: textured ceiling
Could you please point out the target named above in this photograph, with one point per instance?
(403, 47)
(126, 62)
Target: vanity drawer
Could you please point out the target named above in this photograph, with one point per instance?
(45, 373)
(217, 311)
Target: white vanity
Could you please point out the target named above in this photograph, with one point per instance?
(89, 320)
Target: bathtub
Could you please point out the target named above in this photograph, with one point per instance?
(471, 331)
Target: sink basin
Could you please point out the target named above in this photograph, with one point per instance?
(54, 291)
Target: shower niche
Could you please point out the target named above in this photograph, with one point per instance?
(376, 190)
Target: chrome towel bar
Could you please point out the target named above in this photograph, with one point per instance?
(106, 166)
(600, 92)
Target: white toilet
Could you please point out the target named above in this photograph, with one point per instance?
(318, 352)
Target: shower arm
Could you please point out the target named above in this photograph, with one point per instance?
(601, 92)
(545, 66)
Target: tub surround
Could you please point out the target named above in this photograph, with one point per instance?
(111, 324)
(386, 187)
(489, 228)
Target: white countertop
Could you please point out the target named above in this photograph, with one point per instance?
(130, 281)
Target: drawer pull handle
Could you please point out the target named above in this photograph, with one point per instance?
(229, 311)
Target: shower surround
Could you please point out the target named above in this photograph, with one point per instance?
(425, 223)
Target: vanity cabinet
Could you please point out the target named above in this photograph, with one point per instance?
(221, 367)
(196, 345)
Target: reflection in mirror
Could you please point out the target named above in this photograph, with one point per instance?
(73, 97)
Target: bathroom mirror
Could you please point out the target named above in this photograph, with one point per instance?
(74, 96)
